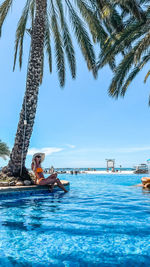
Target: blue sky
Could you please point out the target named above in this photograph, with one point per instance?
(80, 125)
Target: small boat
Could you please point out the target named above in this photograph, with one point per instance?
(141, 168)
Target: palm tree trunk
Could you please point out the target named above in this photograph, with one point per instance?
(28, 111)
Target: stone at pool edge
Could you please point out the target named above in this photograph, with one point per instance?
(13, 183)
(25, 182)
(4, 184)
(28, 188)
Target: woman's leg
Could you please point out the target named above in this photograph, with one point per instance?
(52, 180)
(51, 187)
(54, 175)
(49, 180)
(61, 185)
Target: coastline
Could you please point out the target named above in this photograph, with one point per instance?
(107, 172)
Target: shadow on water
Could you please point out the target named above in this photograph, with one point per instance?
(12, 262)
(20, 225)
(104, 260)
(100, 231)
(30, 212)
(36, 202)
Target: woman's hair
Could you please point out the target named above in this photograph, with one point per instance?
(33, 164)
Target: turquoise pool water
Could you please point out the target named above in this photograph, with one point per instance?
(102, 221)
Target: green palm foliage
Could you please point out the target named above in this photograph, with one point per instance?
(133, 7)
(4, 150)
(133, 42)
(110, 21)
(49, 23)
(59, 13)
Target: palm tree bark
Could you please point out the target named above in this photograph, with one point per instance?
(28, 111)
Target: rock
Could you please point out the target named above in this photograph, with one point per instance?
(27, 182)
(19, 183)
(4, 184)
(13, 179)
(3, 175)
(9, 174)
(12, 183)
(4, 169)
(32, 175)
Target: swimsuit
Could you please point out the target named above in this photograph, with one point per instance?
(38, 170)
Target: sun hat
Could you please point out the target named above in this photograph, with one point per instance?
(42, 155)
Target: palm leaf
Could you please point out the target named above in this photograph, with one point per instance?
(133, 74)
(67, 41)
(98, 32)
(120, 74)
(116, 45)
(4, 8)
(4, 150)
(82, 38)
(133, 7)
(59, 53)
(20, 33)
(32, 11)
(146, 77)
(118, 86)
(143, 45)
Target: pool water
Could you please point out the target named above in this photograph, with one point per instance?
(102, 221)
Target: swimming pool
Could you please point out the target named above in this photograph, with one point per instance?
(102, 221)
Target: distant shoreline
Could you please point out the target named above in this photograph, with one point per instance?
(119, 172)
(107, 172)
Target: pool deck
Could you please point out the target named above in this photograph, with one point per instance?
(35, 188)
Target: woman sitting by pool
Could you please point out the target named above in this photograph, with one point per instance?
(37, 169)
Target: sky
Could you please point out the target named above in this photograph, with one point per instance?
(79, 125)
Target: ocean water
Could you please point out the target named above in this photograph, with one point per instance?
(104, 220)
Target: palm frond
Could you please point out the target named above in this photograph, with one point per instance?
(143, 45)
(67, 40)
(4, 150)
(4, 8)
(59, 53)
(20, 33)
(117, 43)
(146, 77)
(116, 20)
(97, 30)
(133, 74)
(133, 7)
(118, 86)
(120, 74)
(82, 38)
(32, 11)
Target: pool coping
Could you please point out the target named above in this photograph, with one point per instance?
(11, 189)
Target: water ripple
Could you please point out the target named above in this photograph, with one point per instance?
(102, 221)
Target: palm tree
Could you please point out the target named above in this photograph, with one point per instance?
(133, 42)
(46, 18)
(4, 150)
